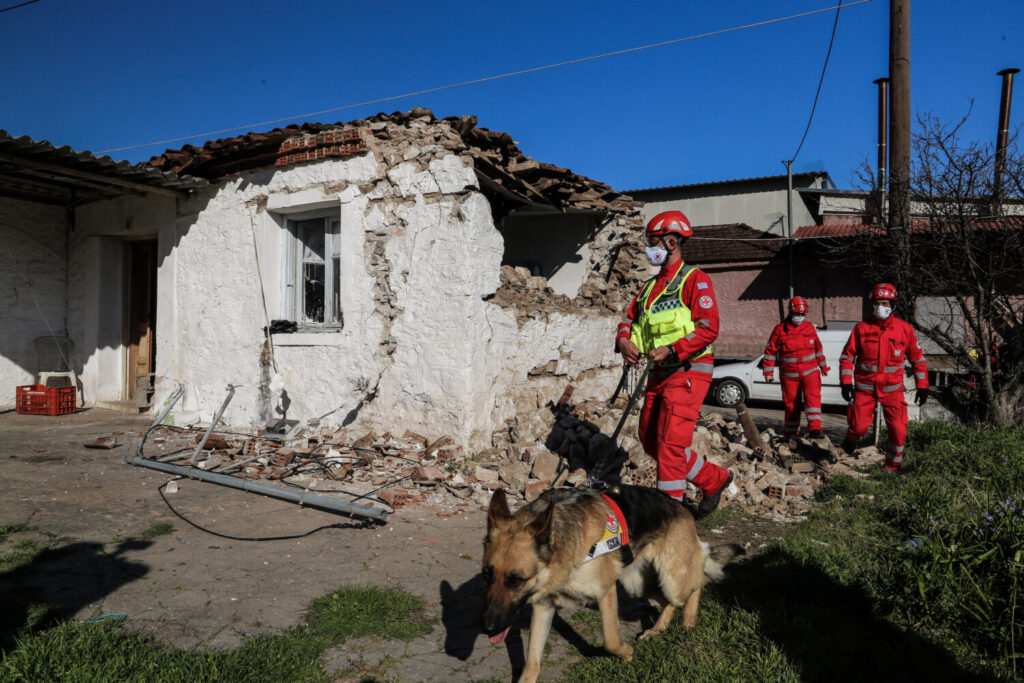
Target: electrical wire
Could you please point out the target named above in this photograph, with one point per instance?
(485, 79)
(820, 81)
(20, 4)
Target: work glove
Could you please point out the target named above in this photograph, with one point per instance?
(769, 375)
(825, 370)
(921, 397)
(848, 393)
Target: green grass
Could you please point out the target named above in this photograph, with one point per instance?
(101, 652)
(838, 597)
(158, 529)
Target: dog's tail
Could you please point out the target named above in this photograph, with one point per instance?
(717, 556)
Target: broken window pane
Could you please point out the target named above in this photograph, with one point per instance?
(313, 292)
(312, 235)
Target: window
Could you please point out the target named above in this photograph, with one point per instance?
(314, 275)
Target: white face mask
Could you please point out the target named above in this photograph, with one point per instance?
(883, 312)
(797, 319)
(656, 255)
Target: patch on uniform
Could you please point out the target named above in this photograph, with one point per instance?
(706, 301)
(616, 535)
(702, 285)
(898, 351)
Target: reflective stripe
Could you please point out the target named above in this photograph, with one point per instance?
(812, 413)
(893, 448)
(789, 360)
(690, 337)
(703, 322)
(868, 367)
(896, 460)
(819, 354)
(807, 372)
(892, 387)
(767, 357)
(863, 387)
(921, 375)
(671, 485)
(789, 374)
(893, 368)
(808, 357)
(697, 464)
(849, 358)
(627, 321)
(704, 366)
(844, 373)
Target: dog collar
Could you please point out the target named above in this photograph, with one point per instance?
(616, 533)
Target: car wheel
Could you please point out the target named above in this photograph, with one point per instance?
(729, 393)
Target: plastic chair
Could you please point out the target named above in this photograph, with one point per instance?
(53, 358)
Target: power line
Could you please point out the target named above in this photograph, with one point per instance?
(820, 81)
(20, 4)
(491, 78)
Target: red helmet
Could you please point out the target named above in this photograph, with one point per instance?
(668, 222)
(883, 290)
(798, 304)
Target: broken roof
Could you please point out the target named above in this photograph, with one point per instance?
(504, 171)
(39, 172)
(730, 243)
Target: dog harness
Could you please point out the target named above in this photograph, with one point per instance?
(616, 533)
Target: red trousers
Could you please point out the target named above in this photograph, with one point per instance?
(671, 407)
(894, 408)
(802, 394)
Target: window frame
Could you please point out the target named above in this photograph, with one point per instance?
(294, 279)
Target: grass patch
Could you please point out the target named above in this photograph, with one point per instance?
(95, 652)
(158, 529)
(8, 529)
(841, 596)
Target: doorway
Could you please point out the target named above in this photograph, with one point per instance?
(140, 321)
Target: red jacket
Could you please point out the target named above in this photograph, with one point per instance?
(796, 348)
(699, 297)
(881, 349)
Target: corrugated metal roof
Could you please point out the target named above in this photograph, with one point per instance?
(37, 171)
(805, 174)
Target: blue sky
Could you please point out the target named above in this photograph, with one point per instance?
(100, 74)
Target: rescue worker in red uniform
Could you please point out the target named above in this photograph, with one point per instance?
(673, 320)
(871, 369)
(794, 345)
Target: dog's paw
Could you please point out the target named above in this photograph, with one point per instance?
(649, 633)
(625, 653)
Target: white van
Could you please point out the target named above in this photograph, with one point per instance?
(734, 383)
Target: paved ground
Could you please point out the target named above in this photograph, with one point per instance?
(194, 589)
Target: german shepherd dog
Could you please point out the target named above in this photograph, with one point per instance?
(542, 555)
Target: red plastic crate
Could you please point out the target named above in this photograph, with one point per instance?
(36, 399)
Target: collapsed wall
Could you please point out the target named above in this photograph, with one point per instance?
(438, 335)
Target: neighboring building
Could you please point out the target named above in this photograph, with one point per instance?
(379, 253)
(757, 202)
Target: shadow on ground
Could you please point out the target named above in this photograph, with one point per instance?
(59, 582)
(829, 631)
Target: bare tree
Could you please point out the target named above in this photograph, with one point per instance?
(959, 265)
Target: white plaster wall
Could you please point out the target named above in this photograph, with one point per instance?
(96, 301)
(34, 287)
(432, 355)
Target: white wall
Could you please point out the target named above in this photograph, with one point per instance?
(34, 288)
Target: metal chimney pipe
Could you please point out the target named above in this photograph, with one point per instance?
(883, 133)
(1002, 137)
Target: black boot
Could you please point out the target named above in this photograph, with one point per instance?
(815, 434)
(848, 447)
(708, 504)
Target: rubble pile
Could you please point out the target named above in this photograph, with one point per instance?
(562, 445)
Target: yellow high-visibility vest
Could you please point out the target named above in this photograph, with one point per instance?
(665, 319)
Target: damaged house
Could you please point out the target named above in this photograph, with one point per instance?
(398, 272)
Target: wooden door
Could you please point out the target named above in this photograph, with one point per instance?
(141, 316)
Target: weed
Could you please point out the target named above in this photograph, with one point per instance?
(158, 529)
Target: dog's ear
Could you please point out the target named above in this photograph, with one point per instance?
(541, 526)
(498, 509)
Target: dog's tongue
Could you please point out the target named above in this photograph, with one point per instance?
(499, 638)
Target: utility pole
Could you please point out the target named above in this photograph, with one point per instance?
(789, 221)
(899, 113)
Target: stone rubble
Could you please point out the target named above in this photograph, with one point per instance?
(559, 446)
